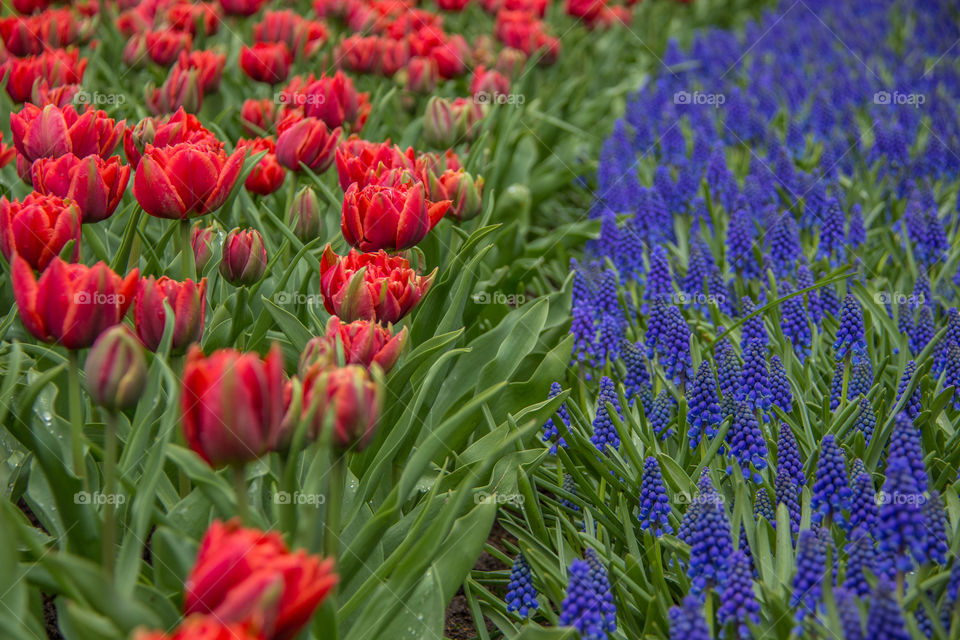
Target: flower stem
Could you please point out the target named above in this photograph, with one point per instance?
(240, 487)
(187, 261)
(76, 417)
(109, 489)
(338, 476)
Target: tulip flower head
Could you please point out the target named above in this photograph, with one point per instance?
(244, 257)
(52, 131)
(39, 228)
(307, 141)
(187, 300)
(348, 398)
(392, 218)
(94, 184)
(71, 303)
(200, 627)
(360, 342)
(116, 370)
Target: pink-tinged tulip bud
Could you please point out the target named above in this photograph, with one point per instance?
(135, 52)
(394, 55)
(244, 257)
(370, 286)
(50, 68)
(441, 129)
(232, 405)
(185, 180)
(240, 572)
(306, 140)
(468, 113)
(422, 75)
(361, 342)
(510, 62)
(336, 101)
(267, 62)
(71, 303)
(116, 369)
(306, 216)
(188, 302)
(164, 46)
(267, 175)
(186, 16)
(202, 239)
(181, 90)
(94, 184)
(348, 398)
(465, 192)
(392, 218)
(259, 117)
(241, 7)
(165, 132)
(38, 229)
(199, 627)
(54, 131)
(488, 85)
(209, 66)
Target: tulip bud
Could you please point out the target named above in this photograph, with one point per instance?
(441, 127)
(305, 215)
(422, 75)
(244, 257)
(349, 397)
(202, 243)
(460, 187)
(135, 52)
(116, 369)
(468, 113)
(510, 62)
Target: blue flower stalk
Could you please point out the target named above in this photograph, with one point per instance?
(850, 622)
(754, 387)
(938, 544)
(885, 617)
(604, 430)
(551, 432)
(654, 512)
(763, 508)
(687, 621)
(582, 608)
(788, 456)
(866, 419)
(703, 406)
(661, 414)
(747, 444)
(831, 489)
(601, 580)
(753, 327)
(905, 442)
(738, 602)
(861, 557)
(851, 332)
(636, 383)
(913, 406)
(807, 583)
(863, 505)
(794, 321)
(901, 530)
(521, 594)
(780, 392)
(711, 543)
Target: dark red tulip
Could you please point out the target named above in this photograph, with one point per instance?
(236, 567)
(346, 396)
(241, 7)
(202, 241)
(200, 627)
(303, 37)
(422, 75)
(7, 152)
(362, 342)
(460, 188)
(185, 180)
(94, 184)
(451, 57)
(306, 140)
(359, 53)
(38, 229)
(187, 299)
(209, 66)
(358, 159)
(31, 35)
(232, 408)
(244, 257)
(54, 131)
(259, 117)
(335, 101)
(267, 175)
(51, 68)
(391, 218)
(487, 85)
(305, 215)
(71, 303)
(267, 62)
(181, 90)
(385, 292)
(165, 132)
(165, 45)
(185, 16)
(116, 370)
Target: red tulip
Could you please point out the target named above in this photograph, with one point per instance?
(38, 229)
(462, 189)
(357, 159)
(348, 397)
(306, 140)
(422, 75)
(30, 6)
(200, 627)
(59, 96)
(362, 342)
(237, 570)
(244, 257)
(488, 85)
(393, 218)
(185, 180)
(468, 113)
(266, 62)
(7, 152)
(186, 299)
(94, 184)
(181, 90)
(160, 132)
(453, 5)
(53, 131)
(241, 7)
(116, 369)
(27, 36)
(232, 406)
(185, 16)
(359, 53)
(451, 57)
(71, 303)
(209, 66)
(259, 117)
(50, 68)
(385, 291)
(441, 128)
(303, 37)
(267, 175)
(336, 102)
(305, 215)
(394, 55)
(510, 62)
(201, 240)
(165, 45)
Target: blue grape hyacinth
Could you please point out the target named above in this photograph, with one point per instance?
(521, 595)
(754, 387)
(703, 406)
(551, 433)
(738, 603)
(850, 333)
(604, 431)
(747, 444)
(831, 489)
(807, 583)
(863, 504)
(901, 530)
(581, 608)
(687, 621)
(885, 617)
(711, 543)
(654, 513)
